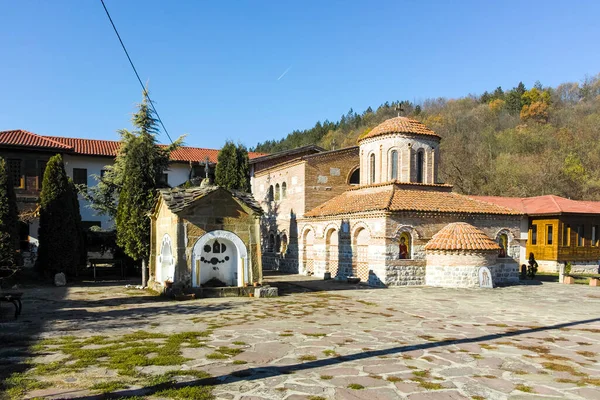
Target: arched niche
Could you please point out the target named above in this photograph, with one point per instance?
(221, 255)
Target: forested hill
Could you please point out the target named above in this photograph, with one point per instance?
(520, 142)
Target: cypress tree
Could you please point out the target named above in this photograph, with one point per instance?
(60, 221)
(232, 170)
(136, 176)
(9, 219)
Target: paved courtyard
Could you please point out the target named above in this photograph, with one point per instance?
(314, 342)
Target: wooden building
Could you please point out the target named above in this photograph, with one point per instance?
(559, 231)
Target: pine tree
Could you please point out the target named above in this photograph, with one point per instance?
(60, 221)
(9, 223)
(232, 167)
(133, 182)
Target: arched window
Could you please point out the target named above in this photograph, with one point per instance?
(283, 190)
(277, 193)
(503, 243)
(284, 243)
(405, 246)
(270, 193)
(420, 166)
(372, 168)
(355, 177)
(394, 162)
(278, 244)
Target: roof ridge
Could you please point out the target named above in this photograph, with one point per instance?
(39, 136)
(555, 203)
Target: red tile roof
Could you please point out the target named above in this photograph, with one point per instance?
(461, 236)
(399, 125)
(543, 205)
(95, 147)
(23, 138)
(393, 197)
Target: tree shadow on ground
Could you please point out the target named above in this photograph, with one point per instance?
(255, 373)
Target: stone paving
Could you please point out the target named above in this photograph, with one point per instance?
(519, 342)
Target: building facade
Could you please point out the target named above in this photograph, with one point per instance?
(85, 159)
(369, 211)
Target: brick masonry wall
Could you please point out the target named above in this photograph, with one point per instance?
(327, 175)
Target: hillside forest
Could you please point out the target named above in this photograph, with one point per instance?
(519, 142)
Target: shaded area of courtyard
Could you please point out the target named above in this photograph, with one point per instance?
(414, 342)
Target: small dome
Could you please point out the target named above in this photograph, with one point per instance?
(399, 125)
(461, 236)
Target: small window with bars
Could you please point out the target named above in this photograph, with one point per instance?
(533, 234)
(15, 172)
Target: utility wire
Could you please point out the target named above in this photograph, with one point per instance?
(135, 70)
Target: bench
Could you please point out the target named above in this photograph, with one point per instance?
(115, 264)
(15, 299)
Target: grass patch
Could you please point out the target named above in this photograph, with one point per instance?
(286, 334)
(587, 354)
(317, 398)
(317, 335)
(524, 388)
(487, 346)
(229, 351)
(330, 353)
(187, 393)
(428, 385)
(421, 374)
(427, 337)
(17, 385)
(393, 379)
(216, 356)
(108, 387)
(239, 362)
(326, 377)
(355, 386)
(239, 343)
(366, 303)
(498, 325)
(307, 357)
(562, 368)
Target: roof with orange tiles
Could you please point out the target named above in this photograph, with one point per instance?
(23, 138)
(461, 236)
(543, 205)
(393, 197)
(399, 125)
(104, 148)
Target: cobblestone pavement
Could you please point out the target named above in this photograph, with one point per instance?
(519, 342)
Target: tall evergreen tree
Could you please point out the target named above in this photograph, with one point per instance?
(232, 170)
(133, 181)
(9, 223)
(60, 222)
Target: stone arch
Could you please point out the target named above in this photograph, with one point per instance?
(353, 177)
(283, 238)
(277, 192)
(308, 240)
(505, 239)
(283, 190)
(332, 233)
(232, 265)
(361, 237)
(165, 267)
(409, 234)
(358, 225)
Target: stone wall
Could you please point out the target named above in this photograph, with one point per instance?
(456, 269)
(327, 175)
(404, 272)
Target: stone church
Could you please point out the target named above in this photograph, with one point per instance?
(370, 211)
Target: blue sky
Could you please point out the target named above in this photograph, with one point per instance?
(213, 67)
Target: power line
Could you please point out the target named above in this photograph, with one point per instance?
(135, 70)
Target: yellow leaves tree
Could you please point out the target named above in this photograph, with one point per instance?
(496, 105)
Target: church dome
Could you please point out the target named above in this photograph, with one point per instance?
(461, 236)
(399, 125)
